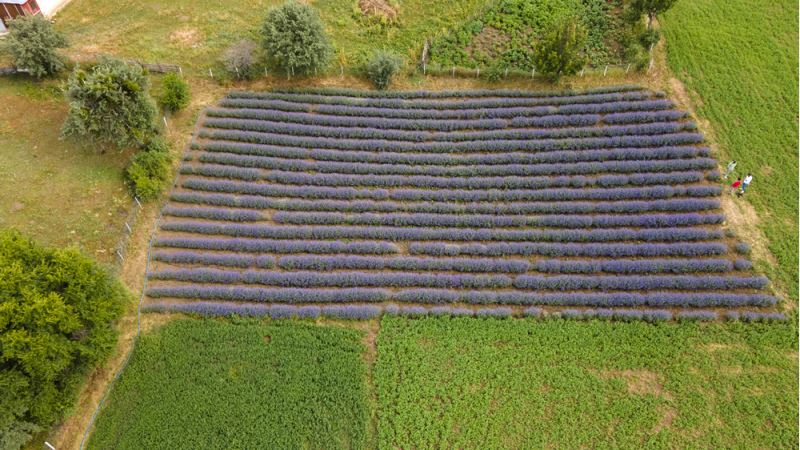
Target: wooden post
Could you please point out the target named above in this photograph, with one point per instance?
(605, 71)
(454, 71)
(210, 73)
(628, 68)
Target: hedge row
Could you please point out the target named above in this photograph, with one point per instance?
(555, 169)
(278, 246)
(444, 195)
(615, 250)
(444, 234)
(444, 296)
(490, 221)
(623, 207)
(439, 159)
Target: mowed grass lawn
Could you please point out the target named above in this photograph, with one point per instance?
(195, 33)
(58, 192)
(467, 383)
(740, 57)
(216, 384)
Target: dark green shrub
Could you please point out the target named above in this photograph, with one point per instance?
(649, 37)
(381, 68)
(174, 93)
(638, 56)
(57, 313)
(148, 174)
(110, 103)
(295, 40)
(32, 42)
(157, 144)
(560, 51)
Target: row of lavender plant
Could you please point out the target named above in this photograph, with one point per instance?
(506, 182)
(487, 146)
(574, 168)
(221, 171)
(445, 234)
(621, 207)
(636, 283)
(423, 94)
(490, 221)
(446, 104)
(216, 259)
(444, 195)
(616, 250)
(438, 159)
(467, 114)
(444, 296)
(278, 246)
(224, 214)
(339, 132)
(634, 266)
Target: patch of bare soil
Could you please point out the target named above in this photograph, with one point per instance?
(742, 218)
(645, 382)
(490, 42)
(186, 37)
(379, 9)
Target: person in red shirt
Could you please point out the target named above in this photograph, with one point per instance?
(736, 186)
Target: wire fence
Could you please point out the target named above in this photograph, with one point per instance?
(121, 250)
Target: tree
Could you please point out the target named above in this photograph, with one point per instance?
(651, 8)
(174, 93)
(57, 310)
(381, 68)
(295, 40)
(110, 103)
(32, 42)
(561, 51)
(239, 59)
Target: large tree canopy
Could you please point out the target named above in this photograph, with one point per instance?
(32, 42)
(295, 40)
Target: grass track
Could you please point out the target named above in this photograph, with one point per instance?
(462, 383)
(214, 384)
(741, 58)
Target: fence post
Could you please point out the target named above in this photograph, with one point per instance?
(650, 67)
(506, 73)
(165, 121)
(582, 71)
(237, 72)
(128, 227)
(180, 71)
(266, 75)
(341, 70)
(533, 73)
(628, 68)
(454, 71)
(210, 73)
(121, 258)
(137, 201)
(478, 73)
(605, 71)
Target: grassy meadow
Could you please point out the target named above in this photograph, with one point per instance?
(740, 58)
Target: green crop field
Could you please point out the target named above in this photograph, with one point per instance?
(740, 57)
(211, 384)
(466, 383)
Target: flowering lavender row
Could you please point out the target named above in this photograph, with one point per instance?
(645, 116)
(278, 246)
(221, 171)
(508, 182)
(698, 316)
(328, 263)
(742, 264)
(444, 234)
(445, 296)
(622, 207)
(438, 159)
(467, 114)
(506, 145)
(338, 132)
(574, 168)
(637, 283)
(489, 221)
(232, 215)
(615, 250)
(557, 120)
(444, 195)
(446, 104)
(273, 311)
(423, 94)
(635, 266)
(335, 279)
(216, 259)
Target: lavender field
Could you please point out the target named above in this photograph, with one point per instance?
(602, 203)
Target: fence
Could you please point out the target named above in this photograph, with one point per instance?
(127, 230)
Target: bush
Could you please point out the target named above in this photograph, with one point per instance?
(57, 309)
(649, 37)
(239, 59)
(560, 51)
(110, 103)
(381, 68)
(32, 43)
(174, 93)
(295, 40)
(148, 174)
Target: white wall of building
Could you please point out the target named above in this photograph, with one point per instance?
(50, 7)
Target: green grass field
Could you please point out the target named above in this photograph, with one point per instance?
(212, 384)
(58, 192)
(194, 34)
(741, 58)
(466, 383)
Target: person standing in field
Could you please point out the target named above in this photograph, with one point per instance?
(736, 185)
(729, 170)
(747, 180)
